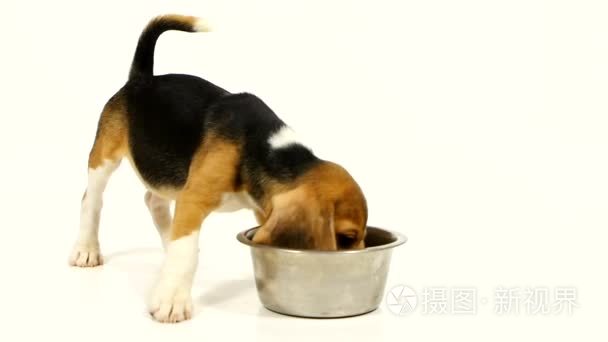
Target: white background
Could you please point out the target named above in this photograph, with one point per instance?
(476, 128)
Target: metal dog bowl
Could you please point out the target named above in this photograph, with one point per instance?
(323, 284)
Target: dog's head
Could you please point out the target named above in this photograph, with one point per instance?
(325, 210)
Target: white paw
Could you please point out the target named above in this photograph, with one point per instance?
(86, 256)
(171, 305)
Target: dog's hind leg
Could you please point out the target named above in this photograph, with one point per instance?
(161, 215)
(108, 149)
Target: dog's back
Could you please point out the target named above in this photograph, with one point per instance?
(166, 117)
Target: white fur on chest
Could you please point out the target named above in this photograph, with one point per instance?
(233, 201)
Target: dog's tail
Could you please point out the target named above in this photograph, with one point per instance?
(143, 61)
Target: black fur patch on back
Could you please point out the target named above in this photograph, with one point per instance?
(245, 116)
(166, 117)
(170, 115)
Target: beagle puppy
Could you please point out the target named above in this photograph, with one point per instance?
(194, 143)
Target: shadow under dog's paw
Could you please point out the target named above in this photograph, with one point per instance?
(225, 291)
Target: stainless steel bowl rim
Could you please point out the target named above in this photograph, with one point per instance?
(399, 240)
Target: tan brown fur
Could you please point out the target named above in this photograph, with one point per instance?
(186, 19)
(212, 172)
(111, 138)
(333, 184)
(326, 201)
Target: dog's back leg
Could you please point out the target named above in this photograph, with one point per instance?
(161, 215)
(108, 149)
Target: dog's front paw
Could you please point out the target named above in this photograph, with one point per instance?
(171, 305)
(86, 256)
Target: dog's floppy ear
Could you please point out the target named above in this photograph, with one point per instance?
(298, 220)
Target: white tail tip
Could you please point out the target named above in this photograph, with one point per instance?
(201, 25)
